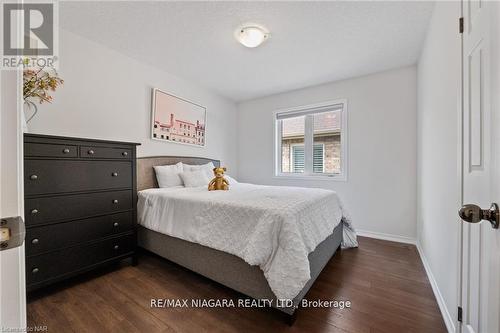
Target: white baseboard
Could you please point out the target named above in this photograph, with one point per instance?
(448, 319)
(388, 237)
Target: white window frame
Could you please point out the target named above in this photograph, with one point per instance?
(308, 173)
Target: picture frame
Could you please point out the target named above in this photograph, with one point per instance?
(177, 120)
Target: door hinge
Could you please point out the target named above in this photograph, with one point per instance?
(460, 314)
(461, 25)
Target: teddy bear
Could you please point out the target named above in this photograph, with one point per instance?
(219, 182)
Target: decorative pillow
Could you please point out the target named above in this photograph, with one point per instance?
(195, 178)
(207, 168)
(168, 175)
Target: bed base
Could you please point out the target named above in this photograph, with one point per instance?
(230, 270)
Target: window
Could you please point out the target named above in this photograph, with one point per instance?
(311, 141)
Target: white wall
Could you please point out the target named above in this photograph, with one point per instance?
(380, 192)
(438, 153)
(107, 95)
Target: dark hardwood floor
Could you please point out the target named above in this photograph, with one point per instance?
(385, 281)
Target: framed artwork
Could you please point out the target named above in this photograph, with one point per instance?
(177, 120)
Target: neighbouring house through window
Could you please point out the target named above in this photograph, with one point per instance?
(311, 140)
(298, 160)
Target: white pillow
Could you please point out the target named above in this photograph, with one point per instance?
(207, 168)
(168, 175)
(230, 179)
(195, 178)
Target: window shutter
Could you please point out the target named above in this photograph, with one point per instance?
(318, 166)
(298, 158)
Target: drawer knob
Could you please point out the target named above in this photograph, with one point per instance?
(65, 151)
(116, 224)
(116, 247)
(125, 153)
(114, 174)
(115, 201)
(34, 270)
(33, 177)
(34, 211)
(35, 241)
(90, 152)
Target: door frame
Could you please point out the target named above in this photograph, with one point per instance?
(14, 100)
(16, 76)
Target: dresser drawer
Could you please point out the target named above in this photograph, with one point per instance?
(105, 152)
(58, 264)
(76, 206)
(56, 236)
(61, 176)
(49, 150)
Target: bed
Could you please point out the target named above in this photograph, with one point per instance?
(184, 234)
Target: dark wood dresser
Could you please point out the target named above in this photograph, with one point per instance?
(80, 205)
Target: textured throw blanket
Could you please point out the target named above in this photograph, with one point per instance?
(270, 226)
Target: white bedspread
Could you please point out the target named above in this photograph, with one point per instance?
(269, 226)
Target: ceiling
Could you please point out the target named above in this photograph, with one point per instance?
(311, 42)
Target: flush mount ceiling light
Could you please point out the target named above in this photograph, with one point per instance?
(251, 36)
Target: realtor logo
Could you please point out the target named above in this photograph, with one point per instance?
(29, 34)
(36, 21)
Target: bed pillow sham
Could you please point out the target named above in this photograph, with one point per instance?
(169, 175)
(230, 179)
(207, 168)
(195, 178)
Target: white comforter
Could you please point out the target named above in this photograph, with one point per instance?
(269, 226)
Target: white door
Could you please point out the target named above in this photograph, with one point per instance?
(12, 278)
(480, 278)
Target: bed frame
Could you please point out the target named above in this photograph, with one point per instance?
(222, 267)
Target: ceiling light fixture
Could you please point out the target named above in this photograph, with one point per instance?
(251, 36)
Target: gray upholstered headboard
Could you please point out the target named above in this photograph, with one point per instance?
(146, 175)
